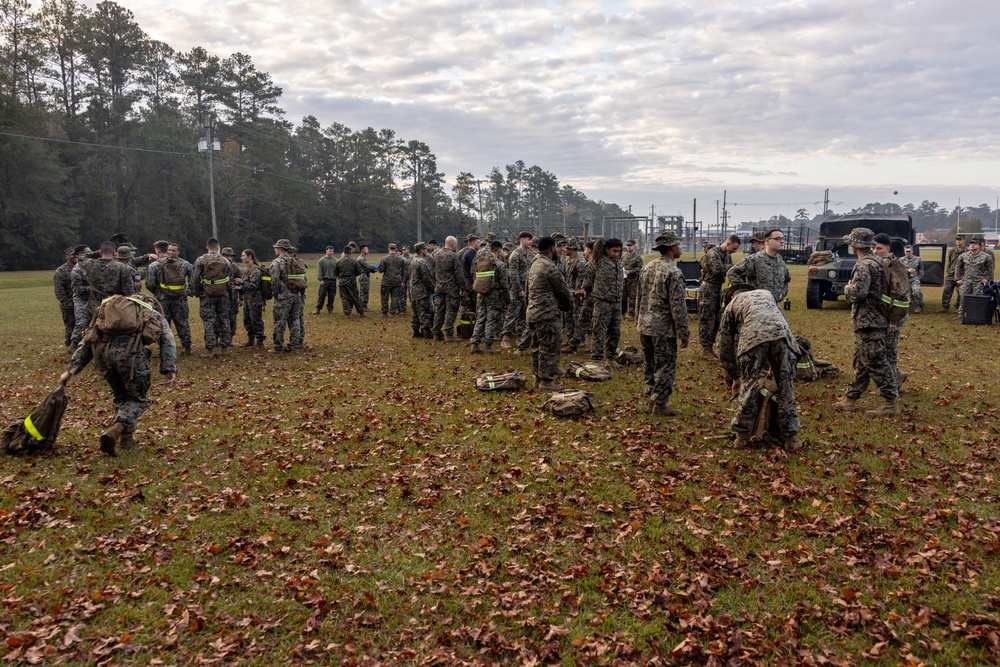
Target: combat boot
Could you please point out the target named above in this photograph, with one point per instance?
(417, 333)
(742, 441)
(902, 378)
(846, 404)
(186, 350)
(475, 349)
(550, 385)
(110, 438)
(505, 343)
(260, 342)
(439, 337)
(662, 409)
(249, 343)
(450, 339)
(490, 350)
(792, 443)
(568, 348)
(707, 353)
(127, 441)
(428, 335)
(890, 407)
(315, 312)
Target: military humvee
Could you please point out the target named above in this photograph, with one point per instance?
(830, 266)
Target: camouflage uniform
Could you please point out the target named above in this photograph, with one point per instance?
(391, 267)
(421, 287)
(448, 284)
(548, 297)
(575, 269)
(490, 306)
(950, 278)
(761, 271)
(347, 271)
(93, 281)
(972, 269)
(407, 260)
(754, 337)
(214, 310)
(517, 275)
(604, 285)
(364, 280)
(715, 264)
(871, 330)
(327, 278)
(584, 310)
(81, 304)
(128, 373)
(661, 319)
(287, 308)
(173, 303)
(632, 263)
(63, 280)
(297, 330)
(235, 295)
(917, 265)
(253, 303)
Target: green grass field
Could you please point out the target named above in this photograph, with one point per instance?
(362, 503)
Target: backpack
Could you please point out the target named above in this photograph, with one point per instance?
(485, 279)
(37, 432)
(215, 276)
(591, 372)
(172, 280)
(765, 430)
(466, 320)
(120, 315)
(265, 284)
(630, 356)
(505, 382)
(895, 298)
(295, 279)
(569, 403)
(808, 368)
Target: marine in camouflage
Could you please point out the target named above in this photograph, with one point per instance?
(548, 298)
(661, 319)
(714, 265)
(761, 271)
(868, 321)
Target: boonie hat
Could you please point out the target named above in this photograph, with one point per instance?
(284, 244)
(860, 237)
(228, 252)
(666, 240)
(419, 245)
(124, 252)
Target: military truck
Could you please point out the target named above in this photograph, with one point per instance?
(831, 265)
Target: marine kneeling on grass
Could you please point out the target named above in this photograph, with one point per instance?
(116, 342)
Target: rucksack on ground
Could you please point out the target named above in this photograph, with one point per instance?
(808, 368)
(215, 276)
(295, 278)
(466, 320)
(588, 371)
(569, 403)
(501, 382)
(895, 297)
(485, 279)
(38, 431)
(630, 356)
(172, 280)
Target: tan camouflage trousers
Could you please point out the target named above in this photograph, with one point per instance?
(660, 356)
(872, 364)
(777, 357)
(546, 343)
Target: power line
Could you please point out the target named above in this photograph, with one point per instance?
(85, 143)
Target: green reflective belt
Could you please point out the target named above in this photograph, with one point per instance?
(493, 385)
(466, 321)
(267, 278)
(130, 298)
(220, 281)
(171, 287)
(807, 364)
(892, 302)
(30, 428)
(296, 276)
(485, 274)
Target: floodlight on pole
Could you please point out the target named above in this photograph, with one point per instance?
(203, 146)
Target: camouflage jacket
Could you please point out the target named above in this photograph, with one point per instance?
(365, 269)
(974, 267)
(153, 275)
(916, 264)
(606, 281)
(864, 293)
(662, 307)
(448, 272)
(63, 280)
(751, 319)
(252, 275)
(953, 255)
(548, 296)
(632, 263)
(347, 270)
(576, 268)
(325, 270)
(279, 277)
(761, 271)
(123, 348)
(500, 279)
(518, 264)
(392, 268)
(421, 278)
(715, 265)
(194, 283)
(97, 279)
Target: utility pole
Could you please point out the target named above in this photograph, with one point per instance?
(209, 146)
(826, 203)
(416, 186)
(694, 229)
(482, 218)
(725, 217)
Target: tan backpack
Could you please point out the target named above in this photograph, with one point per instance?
(569, 403)
(503, 382)
(485, 279)
(215, 276)
(588, 371)
(295, 279)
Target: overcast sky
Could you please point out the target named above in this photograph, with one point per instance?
(647, 102)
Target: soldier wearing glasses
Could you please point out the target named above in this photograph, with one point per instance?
(765, 269)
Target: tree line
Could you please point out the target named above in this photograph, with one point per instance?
(99, 126)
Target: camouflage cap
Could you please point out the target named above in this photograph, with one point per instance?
(558, 236)
(573, 244)
(124, 252)
(959, 237)
(227, 252)
(508, 246)
(981, 240)
(907, 247)
(759, 235)
(418, 246)
(491, 236)
(534, 243)
(666, 240)
(284, 244)
(69, 251)
(630, 242)
(392, 246)
(860, 237)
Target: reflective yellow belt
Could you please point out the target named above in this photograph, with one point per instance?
(30, 428)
